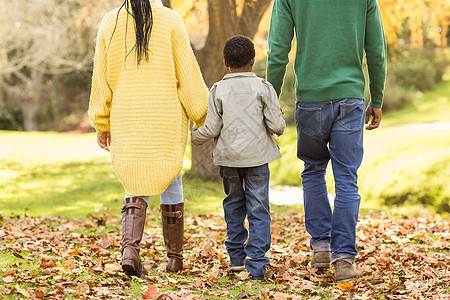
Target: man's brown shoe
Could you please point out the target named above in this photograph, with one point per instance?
(344, 271)
(321, 260)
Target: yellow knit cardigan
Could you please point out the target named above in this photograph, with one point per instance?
(147, 107)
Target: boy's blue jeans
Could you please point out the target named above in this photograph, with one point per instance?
(247, 191)
(331, 130)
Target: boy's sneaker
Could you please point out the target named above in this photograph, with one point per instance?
(344, 271)
(321, 260)
(258, 278)
(236, 267)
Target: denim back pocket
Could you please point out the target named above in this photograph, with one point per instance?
(258, 176)
(308, 119)
(230, 174)
(351, 114)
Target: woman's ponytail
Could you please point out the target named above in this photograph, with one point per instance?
(141, 11)
(143, 20)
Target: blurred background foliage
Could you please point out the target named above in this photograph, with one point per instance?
(46, 50)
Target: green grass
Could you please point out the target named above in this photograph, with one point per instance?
(433, 106)
(69, 175)
(43, 173)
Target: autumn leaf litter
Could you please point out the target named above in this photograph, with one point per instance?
(53, 258)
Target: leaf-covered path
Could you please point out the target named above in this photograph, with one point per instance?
(55, 258)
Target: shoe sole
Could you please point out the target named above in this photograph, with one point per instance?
(347, 280)
(129, 269)
(257, 278)
(321, 265)
(238, 268)
(173, 270)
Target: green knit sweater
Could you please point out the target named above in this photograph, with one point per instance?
(332, 37)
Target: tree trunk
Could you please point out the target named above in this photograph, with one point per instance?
(223, 23)
(29, 113)
(167, 3)
(32, 99)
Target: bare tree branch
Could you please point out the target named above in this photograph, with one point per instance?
(251, 16)
(40, 39)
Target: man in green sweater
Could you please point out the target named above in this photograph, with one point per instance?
(332, 37)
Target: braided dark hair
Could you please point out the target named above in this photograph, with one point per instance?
(141, 11)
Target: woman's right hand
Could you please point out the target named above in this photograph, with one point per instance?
(104, 140)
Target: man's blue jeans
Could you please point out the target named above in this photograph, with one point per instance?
(247, 191)
(331, 130)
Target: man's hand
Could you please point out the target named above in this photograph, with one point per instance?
(104, 139)
(375, 113)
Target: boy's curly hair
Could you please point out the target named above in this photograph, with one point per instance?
(238, 51)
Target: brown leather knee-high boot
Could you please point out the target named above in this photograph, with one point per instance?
(133, 222)
(173, 231)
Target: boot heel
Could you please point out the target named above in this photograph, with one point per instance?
(129, 268)
(174, 265)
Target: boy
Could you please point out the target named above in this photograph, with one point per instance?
(243, 113)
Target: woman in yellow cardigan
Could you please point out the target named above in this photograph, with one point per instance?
(146, 85)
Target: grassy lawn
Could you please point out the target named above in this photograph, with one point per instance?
(69, 175)
(43, 173)
(434, 106)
